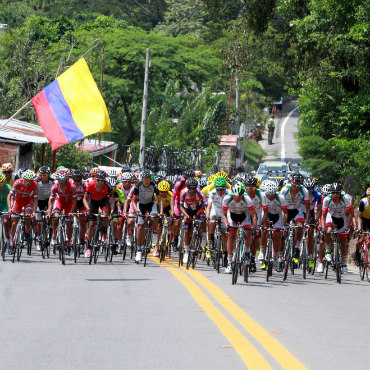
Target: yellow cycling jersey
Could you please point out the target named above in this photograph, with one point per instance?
(364, 207)
(165, 200)
(206, 190)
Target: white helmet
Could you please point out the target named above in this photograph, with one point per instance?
(269, 187)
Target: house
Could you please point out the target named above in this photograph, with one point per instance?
(104, 152)
(16, 142)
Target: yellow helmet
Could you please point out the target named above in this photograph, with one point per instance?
(164, 186)
(211, 179)
(7, 167)
(258, 181)
(2, 178)
(94, 170)
(222, 174)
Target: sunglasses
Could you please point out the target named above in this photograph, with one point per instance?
(251, 187)
(192, 187)
(296, 185)
(220, 189)
(99, 179)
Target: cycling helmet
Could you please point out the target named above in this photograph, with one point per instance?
(87, 169)
(237, 189)
(269, 187)
(100, 174)
(326, 189)
(250, 181)
(297, 179)
(309, 182)
(111, 181)
(62, 175)
(188, 174)
(222, 174)
(7, 167)
(335, 187)
(29, 175)
(202, 183)
(53, 176)
(163, 174)
(158, 179)
(191, 182)
(126, 176)
(280, 183)
(211, 179)
(253, 173)
(145, 174)
(76, 173)
(44, 170)
(198, 173)
(164, 186)
(171, 180)
(220, 182)
(94, 170)
(2, 178)
(112, 173)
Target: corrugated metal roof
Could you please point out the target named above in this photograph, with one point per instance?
(96, 148)
(22, 131)
(229, 140)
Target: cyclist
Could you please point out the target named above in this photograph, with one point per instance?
(259, 201)
(80, 185)
(44, 190)
(180, 185)
(214, 209)
(337, 213)
(192, 206)
(23, 196)
(63, 199)
(4, 192)
(7, 169)
(277, 212)
(296, 194)
(163, 200)
(98, 196)
(237, 207)
(142, 203)
(206, 190)
(315, 215)
(363, 222)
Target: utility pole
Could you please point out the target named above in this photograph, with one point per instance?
(144, 112)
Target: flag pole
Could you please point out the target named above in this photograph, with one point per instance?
(18, 111)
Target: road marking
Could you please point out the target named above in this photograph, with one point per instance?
(248, 353)
(282, 130)
(277, 350)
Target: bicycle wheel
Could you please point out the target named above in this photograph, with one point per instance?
(338, 267)
(246, 267)
(19, 252)
(75, 246)
(268, 260)
(315, 255)
(326, 267)
(62, 247)
(3, 244)
(304, 258)
(218, 253)
(235, 264)
(181, 247)
(366, 262)
(287, 260)
(124, 244)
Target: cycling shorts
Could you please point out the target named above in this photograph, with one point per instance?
(95, 205)
(167, 211)
(19, 205)
(276, 218)
(244, 219)
(296, 215)
(60, 206)
(365, 224)
(338, 223)
(150, 208)
(215, 212)
(198, 213)
(42, 206)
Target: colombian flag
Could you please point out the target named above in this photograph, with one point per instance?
(71, 107)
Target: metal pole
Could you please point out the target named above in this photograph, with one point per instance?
(144, 112)
(18, 111)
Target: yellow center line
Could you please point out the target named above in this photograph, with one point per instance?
(248, 353)
(274, 347)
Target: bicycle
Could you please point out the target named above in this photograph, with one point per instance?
(76, 236)
(181, 243)
(241, 262)
(316, 237)
(109, 242)
(3, 242)
(61, 237)
(218, 250)
(166, 238)
(18, 240)
(147, 239)
(270, 251)
(195, 249)
(97, 240)
(364, 265)
(45, 235)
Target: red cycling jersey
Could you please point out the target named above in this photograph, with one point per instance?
(94, 194)
(193, 203)
(80, 189)
(22, 193)
(64, 195)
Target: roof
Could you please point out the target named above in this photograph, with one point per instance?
(22, 131)
(229, 140)
(96, 148)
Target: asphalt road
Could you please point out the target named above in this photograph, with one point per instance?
(125, 316)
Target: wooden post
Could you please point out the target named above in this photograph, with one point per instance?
(43, 150)
(54, 167)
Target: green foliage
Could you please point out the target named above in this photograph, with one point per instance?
(253, 154)
(70, 156)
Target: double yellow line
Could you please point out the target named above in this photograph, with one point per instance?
(248, 353)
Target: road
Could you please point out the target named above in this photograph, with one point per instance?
(125, 316)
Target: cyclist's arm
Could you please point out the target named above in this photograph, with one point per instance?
(86, 201)
(35, 204)
(308, 211)
(318, 212)
(10, 199)
(254, 218)
(359, 220)
(134, 202)
(209, 207)
(323, 217)
(111, 203)
(50, 205)
(285, 217)
(74, 205)
(224, 217)
(183, 211)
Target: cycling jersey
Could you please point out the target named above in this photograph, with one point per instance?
(120, 195)
(207, 189)
(65, 195)
(4, 198)
(192, 202)
(11, 180)
(94, 194)
(166, 201)
(337, 210)
(244, 205)
(44, 189)
(364, 207)
(301, 196)
(276, 205)
(259, 202)
(314, 202)
(145, 194)
(179, 186)
(216, 198)
(80, 189)
(23, 193)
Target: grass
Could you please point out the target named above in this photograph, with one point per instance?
(253, 153)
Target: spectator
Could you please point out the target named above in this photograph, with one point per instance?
(271, 129)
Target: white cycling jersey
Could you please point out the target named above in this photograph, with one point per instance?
(302, 196)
